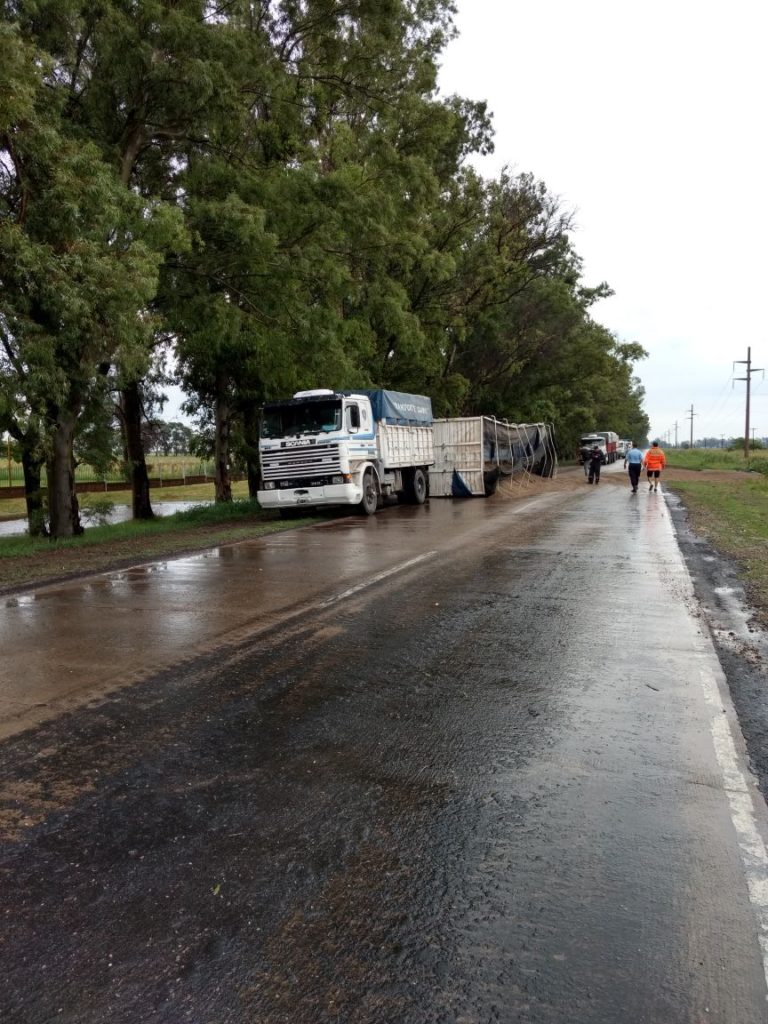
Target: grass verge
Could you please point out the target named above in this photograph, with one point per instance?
(717, 458)
(733, 516)
(27, 561)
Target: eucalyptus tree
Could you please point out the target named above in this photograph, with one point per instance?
(304, 210)
(77, 261)
(518, 340)
(385, 147)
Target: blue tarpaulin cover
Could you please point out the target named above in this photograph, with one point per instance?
(459, 487)
(397, 407)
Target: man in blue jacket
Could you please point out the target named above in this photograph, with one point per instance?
(634, 460)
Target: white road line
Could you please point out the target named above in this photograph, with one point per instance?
(377, 579)
(406, 565)
(740, 800)
(740, 791)
(411, 561)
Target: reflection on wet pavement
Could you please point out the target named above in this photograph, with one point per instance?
(78, 639)
(119, 514)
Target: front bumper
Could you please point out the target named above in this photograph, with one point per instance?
(295, 497)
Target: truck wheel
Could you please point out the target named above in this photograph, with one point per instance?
(419, 486)
(370, 501)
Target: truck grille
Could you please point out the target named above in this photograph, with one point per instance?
(292, 467)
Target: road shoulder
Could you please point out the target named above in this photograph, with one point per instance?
(741, 644)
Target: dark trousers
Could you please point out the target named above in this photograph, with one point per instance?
(594, 472)
(634, 474)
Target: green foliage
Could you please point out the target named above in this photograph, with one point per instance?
(79, 257)
(98, 509)
(166, 438)
(737, 444)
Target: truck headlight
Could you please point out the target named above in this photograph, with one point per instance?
(269, 485)
(337, 479)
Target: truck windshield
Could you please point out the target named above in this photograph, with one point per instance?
(302, 418)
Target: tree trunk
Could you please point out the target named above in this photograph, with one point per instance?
(33, 494)
(223, 426)
(254, 476)
(134, 447)
(251, 438)
(62, 500)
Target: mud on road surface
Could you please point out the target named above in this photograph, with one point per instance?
(95, 633)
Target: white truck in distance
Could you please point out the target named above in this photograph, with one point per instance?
(606, 440)
(589, 441)
(328, 447)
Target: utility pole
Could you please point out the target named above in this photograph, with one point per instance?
(750, 370)
(722, 440)
(690, 416)
(675, 433)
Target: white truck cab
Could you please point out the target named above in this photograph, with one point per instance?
(324, 447)
(589, 441)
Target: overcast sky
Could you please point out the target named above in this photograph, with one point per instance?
(649, 121)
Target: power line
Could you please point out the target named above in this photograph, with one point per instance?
(720, 409)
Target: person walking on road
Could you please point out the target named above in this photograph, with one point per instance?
(634, 460)
(654, 462)
(595, 462)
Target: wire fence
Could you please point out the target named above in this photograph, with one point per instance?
(12, 473)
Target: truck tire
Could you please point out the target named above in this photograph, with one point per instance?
(415, 487)
(370, 501)
(419, 487)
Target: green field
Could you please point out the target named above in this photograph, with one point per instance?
(159, 467)
(730, 509)
(717, 458)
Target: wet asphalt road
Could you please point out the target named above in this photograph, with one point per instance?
(485, 770)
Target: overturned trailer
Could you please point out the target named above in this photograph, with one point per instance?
(474, 454)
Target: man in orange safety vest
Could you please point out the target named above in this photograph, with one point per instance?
(654, 461)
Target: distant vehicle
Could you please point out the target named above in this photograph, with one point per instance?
(606, 440)
(586, 444)
(623, 447)
(611, 445)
